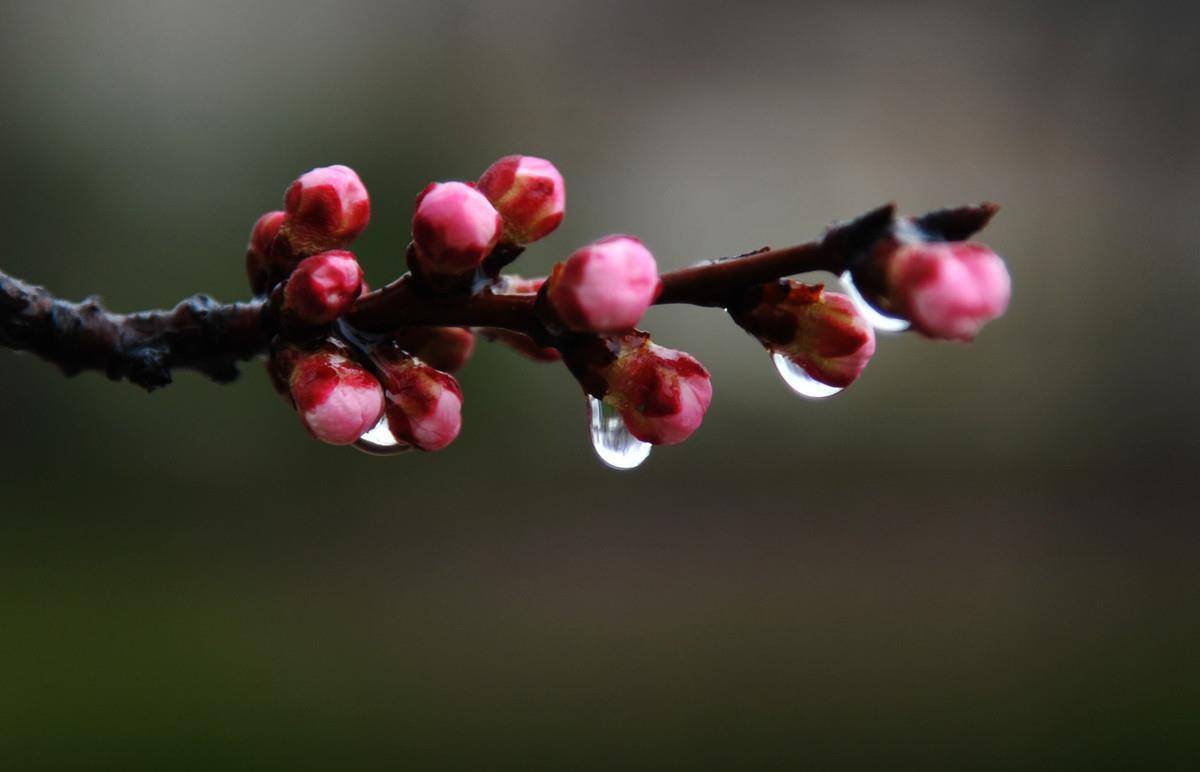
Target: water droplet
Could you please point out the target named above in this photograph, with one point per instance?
(615, 446)
(877, 318)
(380, 441)
(800, 381)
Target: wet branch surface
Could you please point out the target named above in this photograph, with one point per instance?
(203, 335)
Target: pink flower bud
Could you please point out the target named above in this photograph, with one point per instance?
(528, 193)
(605, 287)
(947, 290)
(424, 405)
(323, 287)
(661, 394)
(337, 399)
(326, 209)
(268, 258)
(821, 332)
(446, 348)
(454, 228)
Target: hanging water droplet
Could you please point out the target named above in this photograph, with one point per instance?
(615, 446)
(877, 318)
(380, 441)
(800, 381)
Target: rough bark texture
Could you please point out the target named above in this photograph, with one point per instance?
(198, 334)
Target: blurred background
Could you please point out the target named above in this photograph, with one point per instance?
(979, 557)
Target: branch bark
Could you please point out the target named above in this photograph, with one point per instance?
(198, 334)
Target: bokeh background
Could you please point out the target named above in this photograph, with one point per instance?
(979, 557)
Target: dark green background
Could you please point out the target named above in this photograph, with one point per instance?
(978, 557)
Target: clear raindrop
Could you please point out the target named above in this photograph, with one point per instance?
(800, 381)
(878, 319)
(615, 446)
(380, 441)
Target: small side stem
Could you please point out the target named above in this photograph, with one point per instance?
(711, 283)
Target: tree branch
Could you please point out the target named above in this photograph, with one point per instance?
(712, 283)
(198, 334)
(203, 335)
(402, 304)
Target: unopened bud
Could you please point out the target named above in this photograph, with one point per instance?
(337, 398)
(605, 287)
(528, 193)
(454, 228)
(661, 394)
(327, 208)
(323, 287)
(819, 331)
(946, 289)
(268, 257)
(424, 405)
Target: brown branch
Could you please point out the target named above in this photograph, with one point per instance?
(714, 282)
(401, 304)
(710, 283)
(198, 334)
(202, 335)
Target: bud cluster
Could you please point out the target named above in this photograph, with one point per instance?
(456, 226)
(345, 382)
(341, 392)
(324, 209)
(340, 387)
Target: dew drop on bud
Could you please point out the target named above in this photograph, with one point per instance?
(380, 441)
(799, 381)
(615, 446)
(878, 319)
